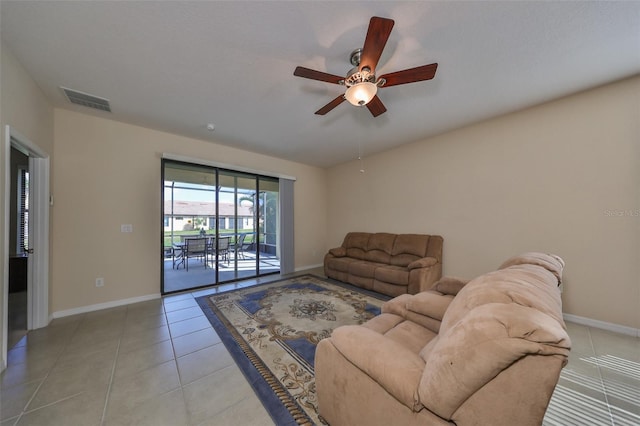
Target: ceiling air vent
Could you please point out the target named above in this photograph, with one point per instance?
(85, 99)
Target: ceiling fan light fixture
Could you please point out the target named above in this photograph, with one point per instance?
(361, 94)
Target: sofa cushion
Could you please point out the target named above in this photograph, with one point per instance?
(364, 269)
(408, 248)
(477, 348)
(356, 244)
(356, 253)
(381, 241)
(526, 285)
(414, 244)
(392, 290)
(383, 322)
(377, 256)
(410, 335)
(340, 264)
(550, 262)
(356, 240)
(435, 247)
(379, 247)
(392, 274)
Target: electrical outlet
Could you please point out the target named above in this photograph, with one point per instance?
(99, 282)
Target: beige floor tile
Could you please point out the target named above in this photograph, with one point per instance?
(16, 374)
(110, 314)
(14, 400)
(107, 329)
(192, 342)
(181, 304)
(34, 356)
(176, 298)
(165, 410)
(128, 392)
(66, 321)
(618, 345)
(83, 375)
(136, 325)
(203, 362)
(50, 336)
(142, 309)
(213, 394)
(619, 379)
(188, 326)
(73, 355)
(580, 339)
(140, 339)
(83, 409)
(184, 314)
(9, 422)
(90, 338)
(130, 363)
(247, 412)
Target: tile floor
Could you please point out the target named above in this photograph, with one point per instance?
(161, 363)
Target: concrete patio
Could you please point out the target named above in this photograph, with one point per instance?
(236, 268)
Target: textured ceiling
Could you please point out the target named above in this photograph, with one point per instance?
(176, 66)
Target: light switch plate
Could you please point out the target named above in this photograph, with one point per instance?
(126, 228)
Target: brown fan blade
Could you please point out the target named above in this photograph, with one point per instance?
(377, 36)
(331, 105)
(412, 75)
(376, 107)
(317, 75)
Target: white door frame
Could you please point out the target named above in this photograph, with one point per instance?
(38, 262)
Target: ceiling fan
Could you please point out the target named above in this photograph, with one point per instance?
(361, 82)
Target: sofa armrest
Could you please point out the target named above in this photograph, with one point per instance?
(391, 365)
(429, 304)
(449, 285)
(338, 251)
(426, 308)
(425, 262)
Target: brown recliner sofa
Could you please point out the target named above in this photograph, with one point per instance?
(391, 264)
(486, 353)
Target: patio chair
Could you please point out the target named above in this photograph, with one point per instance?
(239, 246)
(223, 249)
(194, 247)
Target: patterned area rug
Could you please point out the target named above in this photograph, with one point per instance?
(271, 330)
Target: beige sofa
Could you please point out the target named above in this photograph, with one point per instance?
(391, 264)
(485, 353)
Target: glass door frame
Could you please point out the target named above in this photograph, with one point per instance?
(256, 219)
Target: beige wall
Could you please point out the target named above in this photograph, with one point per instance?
(23, 107)
(107, 173)
(563, 177)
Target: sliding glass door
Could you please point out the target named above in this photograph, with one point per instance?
(218, 226)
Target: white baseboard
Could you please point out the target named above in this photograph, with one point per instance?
(616, 328)
(304, 268)
(106, 305)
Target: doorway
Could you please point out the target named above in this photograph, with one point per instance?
(18, 247)
(31, 229)
(219, 225)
